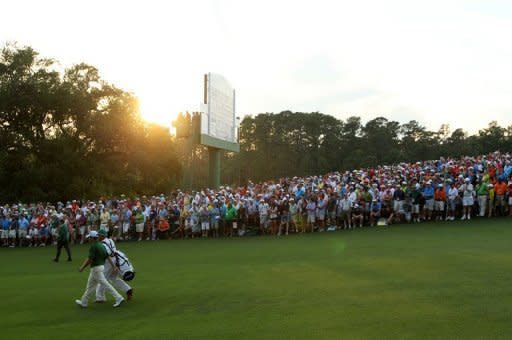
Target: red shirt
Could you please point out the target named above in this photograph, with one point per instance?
(41, 221)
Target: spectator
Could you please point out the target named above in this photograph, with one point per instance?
(468, 195)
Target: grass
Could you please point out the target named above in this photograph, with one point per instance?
(447, 280)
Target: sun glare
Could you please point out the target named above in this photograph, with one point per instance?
(155, 109)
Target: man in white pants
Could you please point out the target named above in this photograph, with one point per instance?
(111, 275)
(96, 258)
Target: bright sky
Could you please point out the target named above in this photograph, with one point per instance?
(434, 61)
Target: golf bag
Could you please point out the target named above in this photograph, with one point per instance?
(125, 267)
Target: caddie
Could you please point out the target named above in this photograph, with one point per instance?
(111, 275)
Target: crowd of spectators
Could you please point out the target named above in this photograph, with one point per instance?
(440, 190)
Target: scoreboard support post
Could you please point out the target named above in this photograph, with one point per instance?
(214, 167)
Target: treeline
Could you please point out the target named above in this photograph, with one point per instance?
(71, 135)
(297, 144)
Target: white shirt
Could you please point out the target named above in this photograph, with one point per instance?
(110, 246)
(263, 209)
(453, 193)
(467, 190)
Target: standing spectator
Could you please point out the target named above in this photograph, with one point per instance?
(252, 212)
(126, 218)
(5, 224)
(23, 225)
(139, 222)
(321, 211)
(344, 211)
(311, 213)
(440, 198)
(274, 217)
(398, 202)
(230, 217)
(13, 228)
(115, 223)
(492, 197)
(416, 198)
(104, 219)
(500, 190)
(303, 214)
(331, 210)
(428, 194)
(293, 212)
(263, 209)
(468, 196)
(509, 192)
(453, 196)
(482, 192)
(91, 219)
(284, 213)
(204, 218)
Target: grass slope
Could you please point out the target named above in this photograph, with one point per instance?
(448, 280)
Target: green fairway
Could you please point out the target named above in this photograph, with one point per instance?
(447, 280)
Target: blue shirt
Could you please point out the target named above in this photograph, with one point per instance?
(6, 224)
(23, 223)
(223, 210)
(163, 213)
(428, 192)
(299, 193)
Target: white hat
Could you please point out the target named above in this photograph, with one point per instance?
(92, 234)
(467, 179)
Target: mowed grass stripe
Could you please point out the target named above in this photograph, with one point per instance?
(433, 280)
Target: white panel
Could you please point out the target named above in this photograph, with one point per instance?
(220, 109)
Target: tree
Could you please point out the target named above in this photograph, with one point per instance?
(72, 134)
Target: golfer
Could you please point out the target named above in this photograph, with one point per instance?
(111, 275)
(97, 257)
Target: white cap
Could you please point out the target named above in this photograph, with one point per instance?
(93, 234)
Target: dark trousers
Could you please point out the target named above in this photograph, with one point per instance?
(61, 244)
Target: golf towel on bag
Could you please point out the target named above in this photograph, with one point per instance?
(124, 265)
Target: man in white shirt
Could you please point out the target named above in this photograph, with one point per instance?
(112, 276)
(453, 194)
(263, 211)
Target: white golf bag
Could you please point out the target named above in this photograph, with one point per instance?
(125, 267)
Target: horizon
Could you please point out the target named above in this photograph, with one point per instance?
(441, 63)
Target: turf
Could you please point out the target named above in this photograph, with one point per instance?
(445, 280)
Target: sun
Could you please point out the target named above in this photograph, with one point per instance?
(156, 109)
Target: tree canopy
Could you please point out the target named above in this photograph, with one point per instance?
(71, 134)
(298, 144)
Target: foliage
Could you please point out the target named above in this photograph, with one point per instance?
(74, 135)
(70, 134)
(295, 144)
